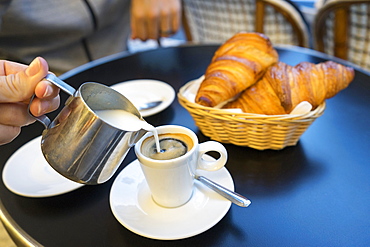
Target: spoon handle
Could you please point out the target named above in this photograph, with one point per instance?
(228, 194)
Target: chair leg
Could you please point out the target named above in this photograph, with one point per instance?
(259, 16)
(341, 33)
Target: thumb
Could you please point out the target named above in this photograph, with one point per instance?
(20, 85)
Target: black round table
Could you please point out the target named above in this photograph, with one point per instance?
(316, 193)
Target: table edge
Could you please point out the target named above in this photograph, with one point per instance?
(293, 48)
(16, 233)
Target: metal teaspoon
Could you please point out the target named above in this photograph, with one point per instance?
(149, 105)
(228, 194)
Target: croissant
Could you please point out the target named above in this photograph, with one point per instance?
(236, 65)
(283, 87)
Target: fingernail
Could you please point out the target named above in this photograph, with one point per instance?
(33, 68)
(43, 107)
(48, 91)
(39, 110)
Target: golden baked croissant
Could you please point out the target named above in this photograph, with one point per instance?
(235, 66)
(283, 87)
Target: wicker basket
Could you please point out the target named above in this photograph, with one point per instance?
(245, 129)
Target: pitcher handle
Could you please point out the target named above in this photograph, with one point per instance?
(41, 119)
(59, 83)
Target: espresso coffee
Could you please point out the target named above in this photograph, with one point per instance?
(171, 146)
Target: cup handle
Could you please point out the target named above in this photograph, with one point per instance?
(214, 164)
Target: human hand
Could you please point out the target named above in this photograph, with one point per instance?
(18, 83)
(152, 19)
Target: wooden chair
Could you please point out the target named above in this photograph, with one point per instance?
(215, 21)
(342, 29)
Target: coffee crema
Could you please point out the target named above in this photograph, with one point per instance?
(172, 146)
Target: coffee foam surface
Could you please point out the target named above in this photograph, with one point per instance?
(172, 146)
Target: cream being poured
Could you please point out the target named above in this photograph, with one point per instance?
(124, 120)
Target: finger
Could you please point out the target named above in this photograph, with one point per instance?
(134, 27)
(138, 22)
(15, 114)
(141, 29)
(46, 90)
(176, 18)
(153, 24)
(20, 86)
(8, 133)
(133, 21)
(133, 30)
(40, 107)
(165, 23)
(9, 67)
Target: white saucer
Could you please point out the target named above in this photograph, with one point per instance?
(27, 173)
(132, 205)
(146, 90)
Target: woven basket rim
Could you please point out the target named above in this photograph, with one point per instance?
(220, 113)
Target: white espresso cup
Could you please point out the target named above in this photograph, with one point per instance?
(171, 181)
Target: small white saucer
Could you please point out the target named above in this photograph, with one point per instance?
(132, 205)
(146, 90)
(27, 173)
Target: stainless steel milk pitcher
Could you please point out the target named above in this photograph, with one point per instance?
(77, 143)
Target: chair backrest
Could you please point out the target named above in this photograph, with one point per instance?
(215, 21)
(342, 29)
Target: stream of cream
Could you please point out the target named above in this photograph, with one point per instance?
(124, 120)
